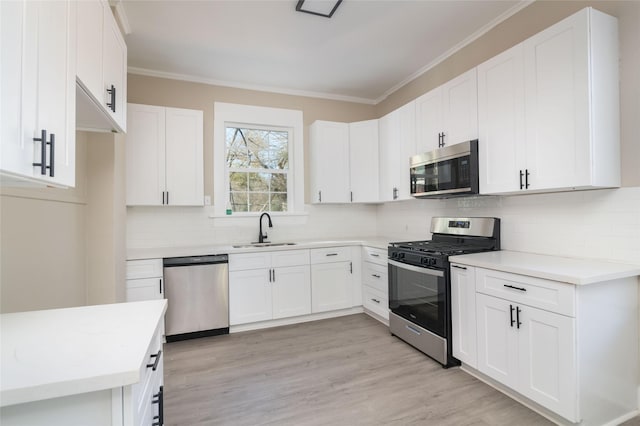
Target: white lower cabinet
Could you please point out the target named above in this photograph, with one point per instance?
(375, 282)
(268, 285)
(145, 282)
(331, 279)
(560, 345)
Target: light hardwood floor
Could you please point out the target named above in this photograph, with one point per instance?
(340, 371)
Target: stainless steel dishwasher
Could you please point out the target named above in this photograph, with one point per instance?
(197, 289)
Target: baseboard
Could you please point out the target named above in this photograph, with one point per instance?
(377, 317)
(294, 320)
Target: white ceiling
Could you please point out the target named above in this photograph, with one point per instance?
(368, 49)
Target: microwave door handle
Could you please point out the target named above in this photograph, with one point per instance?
(425, 271)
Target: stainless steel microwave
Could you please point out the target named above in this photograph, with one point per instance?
(446, 172)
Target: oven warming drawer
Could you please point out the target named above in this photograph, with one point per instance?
(418, 337)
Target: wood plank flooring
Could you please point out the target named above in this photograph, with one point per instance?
(340, 371)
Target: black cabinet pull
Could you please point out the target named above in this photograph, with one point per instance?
(112, 104)
(160, 282)
(163, 198)
(351, 267)
(167, 197)
(375, 255)
(514, 287)
(459, 267)
(375, 275)
(351, 196)
(43, 152)
(159, 419)
(331, 254)
(518, 323)
(52, 153)
(319, 196)
(521, 175)
(274, 275)
(376, 300)
(395, 193)
(154, 366)
(526, 179)
(511, 315)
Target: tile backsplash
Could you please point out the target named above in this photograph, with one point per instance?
(601, 224)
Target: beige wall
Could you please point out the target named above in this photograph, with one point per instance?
(43, 244)
(180, 94)
(528, 22)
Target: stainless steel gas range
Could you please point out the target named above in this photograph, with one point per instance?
(420, 285)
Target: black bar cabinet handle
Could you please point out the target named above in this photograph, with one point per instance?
(459, 267)
(112, 104)
(514, 287)
(521, 175)
(274, 275)
(160, 282)
(511, 314)
(518, 323)
(526, 179)
(52, 151)
(154, 366)
(43, 152)
(376, 300)
(375, 255)
(167, 197)
(319, 196)
(331, 254)
(160, 401)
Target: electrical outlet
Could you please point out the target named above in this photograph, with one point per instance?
(207, 200)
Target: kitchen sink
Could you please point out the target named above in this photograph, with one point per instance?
(263, 245)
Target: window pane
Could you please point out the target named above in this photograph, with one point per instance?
(259, 181)
(279, 182)
(278, 202)
(258, 201)
(238, 181)
(258, 148)
(278, 150)
(237, 154)
(238, 201)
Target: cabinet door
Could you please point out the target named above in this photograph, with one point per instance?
(389, 155)
(17, 145)
(115, 71)
(145, 155)
(291, 291)
(249, 296)
(460, 108)
(331, 286)
(547, 361)
(497, 339)
(406, 134)
(463, 314)
(90, 23)
(428, 120)
(363, 164)
(556, 66)
(329, 158)
(144, 289)
(184, 165)
(501, 150)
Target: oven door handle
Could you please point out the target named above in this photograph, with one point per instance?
(425, 271)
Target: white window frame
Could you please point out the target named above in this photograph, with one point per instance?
(247, 115)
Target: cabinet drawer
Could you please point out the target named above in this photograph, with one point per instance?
(246, 261)
(375, 301)
(330, 255)
(147, 268)
(375, 255)
(289, 258)
(549, 295)
(375, 275)
(142, 391)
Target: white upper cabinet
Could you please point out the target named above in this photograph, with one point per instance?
(164, 156)
(565, 78)
(344, 161)
(37, 43)
(102, 69)
(448, 114)
(363, 161)
(397, 145)
(329, 161)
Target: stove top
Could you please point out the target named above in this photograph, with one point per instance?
(441, 248)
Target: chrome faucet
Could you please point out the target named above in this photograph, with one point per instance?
(261, 237)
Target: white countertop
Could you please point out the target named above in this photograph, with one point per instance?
(162, 252)
(564, 269)
(53, 353)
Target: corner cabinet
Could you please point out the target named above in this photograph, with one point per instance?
(448, 114)
(344, 162)
(549, 341)
(397, 145)
(164, 156)
(549, 110)
(101, 69)
(37, 96)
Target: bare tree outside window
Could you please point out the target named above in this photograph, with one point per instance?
(257, 161)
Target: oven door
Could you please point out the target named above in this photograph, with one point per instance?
(419, 295)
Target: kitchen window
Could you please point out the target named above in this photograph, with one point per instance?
(258, 160)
